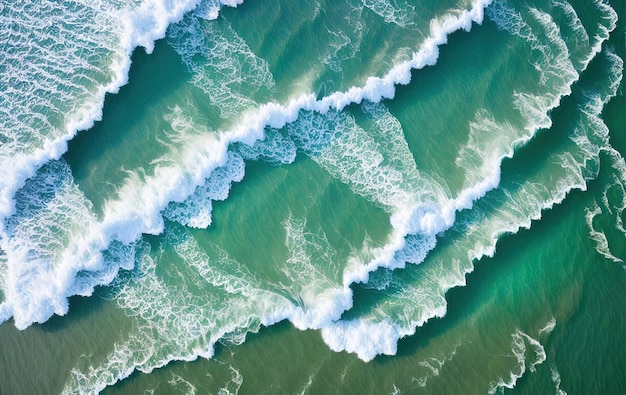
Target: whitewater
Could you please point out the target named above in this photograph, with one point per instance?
(58, 242)
(138, 208)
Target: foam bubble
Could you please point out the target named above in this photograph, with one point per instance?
(489, 141)
(349, 153)
(209, 9)
(315, 278)
(619, 183)
(377, 164)
(430, 218)
(577, 37)
(609, 17)
(391, 318)
(45, 80)
(389, 135)
(375, 339)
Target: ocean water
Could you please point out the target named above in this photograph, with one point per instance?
(355, 196)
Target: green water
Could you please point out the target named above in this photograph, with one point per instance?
(523, 287)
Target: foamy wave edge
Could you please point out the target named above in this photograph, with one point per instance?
(143, 27)
(368, 340)
(138, 209)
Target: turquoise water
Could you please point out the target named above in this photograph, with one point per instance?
(390, 196)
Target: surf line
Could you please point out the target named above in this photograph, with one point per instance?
(140, 27)
(138, 208)
(205, 154)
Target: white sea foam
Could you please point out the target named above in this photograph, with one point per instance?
(218, 299)
(556, 379)
(177, 321)
(389, 135)
(209, 9)
(382, 338)
(520, 209)
(43, 138)
(379, 332)
(177, 381)
(46, 259)
(41, 83)
(378, 337)
(195, 211)
(601, 143)
(103, 35)
(577, 39)
(393, 11)
(5, 312)
(488, 141)
(433, 367)
(234, 385)
(344, 38)
(609, 17)
(364, 339)
(619, 183)
(416, 305)
(318, 294)
(222, 64)
(352, 155)
(534, 109)
(106, 34)
(549, 327)
(141, 200)
(598, 237)
(521, 345)
(522, 205)
(274, 148)
(586, 47)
